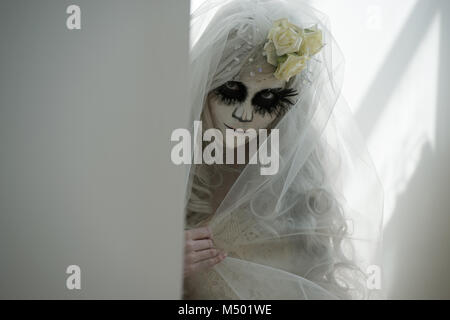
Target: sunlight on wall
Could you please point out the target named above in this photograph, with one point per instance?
(365, 30)
(408, 121)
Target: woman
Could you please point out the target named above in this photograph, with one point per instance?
(311, 229)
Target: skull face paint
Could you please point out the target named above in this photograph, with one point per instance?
(253, 100)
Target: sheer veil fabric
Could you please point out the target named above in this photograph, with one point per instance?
(313, 230)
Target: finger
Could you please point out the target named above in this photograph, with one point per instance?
(205, 254)
(200, 233)
(206, 264)
(197, 245)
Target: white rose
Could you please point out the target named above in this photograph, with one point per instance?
(312, 41)
(286, 37)
(271, 53)
(293, 65)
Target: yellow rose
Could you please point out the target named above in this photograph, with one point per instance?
(286, 37)
(293, 65)
(312, 41)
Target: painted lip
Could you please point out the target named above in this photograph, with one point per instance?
(229, 127)
(240, 130)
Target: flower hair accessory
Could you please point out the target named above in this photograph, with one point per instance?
(290, 47)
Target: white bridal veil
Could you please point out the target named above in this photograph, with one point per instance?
(313, 230)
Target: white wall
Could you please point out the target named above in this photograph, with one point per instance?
(85, 173)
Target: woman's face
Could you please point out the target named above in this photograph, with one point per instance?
(252, 102)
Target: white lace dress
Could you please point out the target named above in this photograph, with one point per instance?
(254, 268)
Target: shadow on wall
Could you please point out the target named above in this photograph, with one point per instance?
(416, 252)
(417, 237)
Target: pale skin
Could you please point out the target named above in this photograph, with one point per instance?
(200, 252)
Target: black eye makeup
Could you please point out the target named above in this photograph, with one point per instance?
(232, 92)
(273, 101)
(269, 101)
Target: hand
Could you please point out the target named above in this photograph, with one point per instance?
(200, 253)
